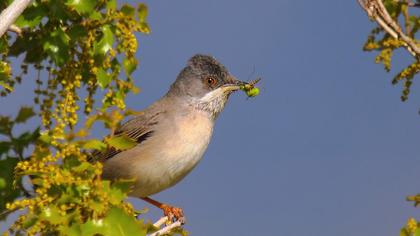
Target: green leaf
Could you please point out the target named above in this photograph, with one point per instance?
(111, 4)
(24, 114)
(103, 78)
(119, 223)
(52, 214)
(142, 12)
(144, 27)
(45, 138)
(31, 45)
(128, 10)
(129, 65)
(116, 223)
(84, 166)
(94, 144)
(121, 142)
(119, 190)
(57, 46)
(77, 32)
(6, 125)
(5, 147)
(403, 232)
(32, 16)
(105, 43)
(25, 139)
(7, 193)
(29, 222)
(3, 183)
(96, 15)
(57, 10)
(3, 45)
(83, 6)
(392, 7)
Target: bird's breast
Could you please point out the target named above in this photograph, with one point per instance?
(191, 135)
(173, 150)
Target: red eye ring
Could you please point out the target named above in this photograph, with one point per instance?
(211, 81)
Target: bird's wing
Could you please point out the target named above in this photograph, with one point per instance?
(138, 129)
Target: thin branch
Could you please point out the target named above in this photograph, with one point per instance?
(9, 15)
(160, 222)
(16, 29)
(410, 3)
(377, 11)
(165, 230)
(6, 212)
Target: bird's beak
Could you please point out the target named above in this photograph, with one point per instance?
(233, 84)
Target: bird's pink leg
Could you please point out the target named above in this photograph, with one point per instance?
(173, 213)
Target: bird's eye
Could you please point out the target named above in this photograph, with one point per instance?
(211, 81)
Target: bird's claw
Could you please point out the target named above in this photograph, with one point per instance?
(174, 213)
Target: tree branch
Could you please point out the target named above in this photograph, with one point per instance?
(410, 3)
(165, 230)
(9, 15)
(377, 11)
(16, 29)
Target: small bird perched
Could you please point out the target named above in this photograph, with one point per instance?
(173, 133)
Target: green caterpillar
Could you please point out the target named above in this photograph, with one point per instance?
(249, 88)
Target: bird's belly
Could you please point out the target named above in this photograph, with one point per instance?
(170, 166)
(157, 169)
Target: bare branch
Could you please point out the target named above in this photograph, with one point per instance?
(160, 222)
(410, 3)
(377, 11)
(9, 15)
(16, 29)
(165, 230)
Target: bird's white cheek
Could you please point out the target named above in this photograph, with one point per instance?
(215, 94)
(214, 101)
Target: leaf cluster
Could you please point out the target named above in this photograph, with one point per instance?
(12, 149)
(382, 42)
(79, 50)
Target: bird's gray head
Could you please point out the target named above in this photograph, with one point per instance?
(205, 83)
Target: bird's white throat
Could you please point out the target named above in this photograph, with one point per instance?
(214, 101)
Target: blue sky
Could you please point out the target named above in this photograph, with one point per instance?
(327, 148)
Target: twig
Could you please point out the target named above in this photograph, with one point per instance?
(166, 229)
(377, 11)
(410, 3)
(16, 29)
(6, 212)
(9, 15)
(160, 222)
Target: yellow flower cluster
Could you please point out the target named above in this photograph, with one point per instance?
(384, 57)
(128, 39)
(63, 180)
(411, 225)
(5, 68)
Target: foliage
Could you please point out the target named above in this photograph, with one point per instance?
(382, 42)
(78, 49)
(11, 151)
(412, 228)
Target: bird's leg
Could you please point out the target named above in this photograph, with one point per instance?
(173, 213)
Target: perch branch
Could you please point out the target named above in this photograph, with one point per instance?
(166, 229)
(160, 222)
(377, 11)
(9, 15)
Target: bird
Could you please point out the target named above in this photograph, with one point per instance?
(173, 133)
